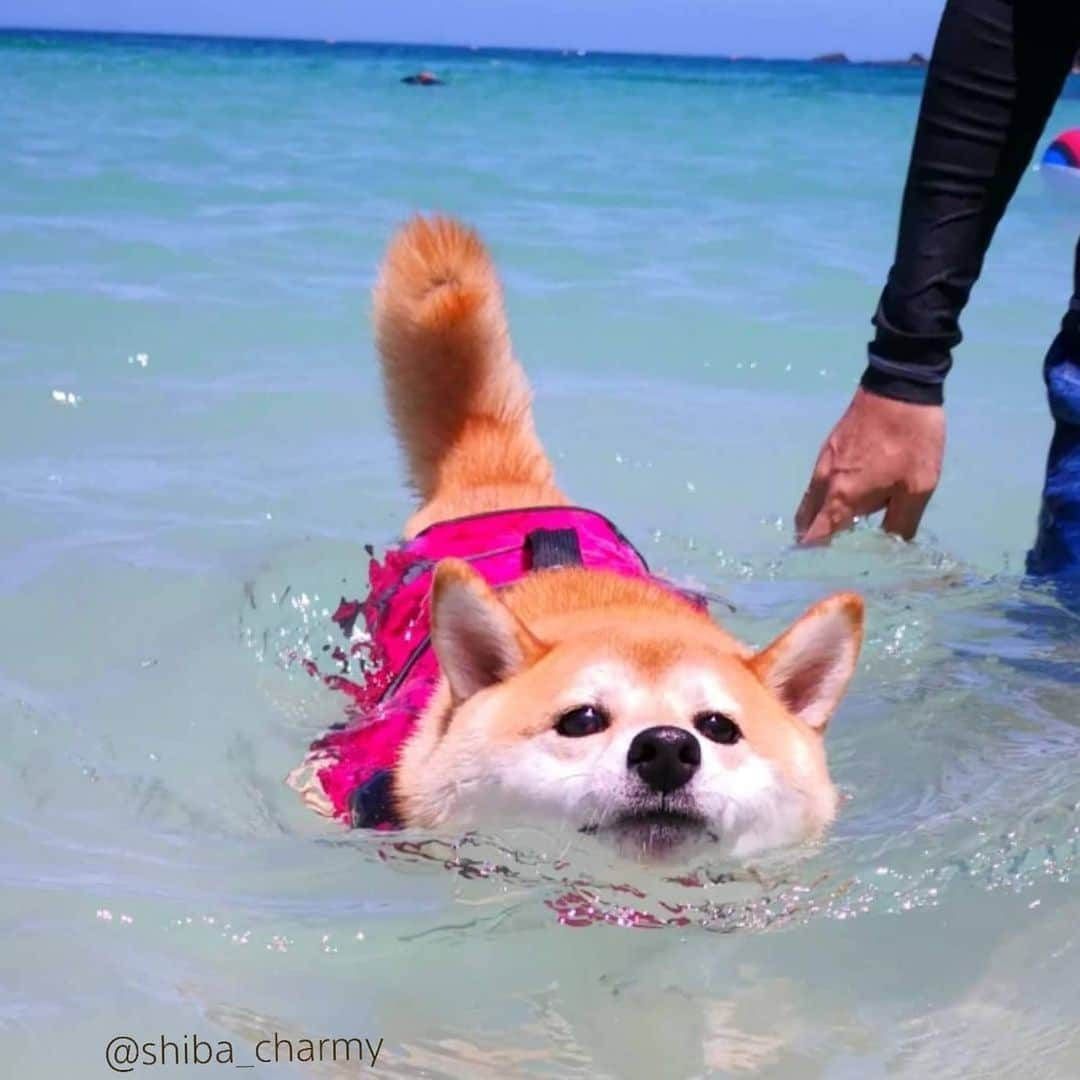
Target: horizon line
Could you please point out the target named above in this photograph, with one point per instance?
(554, 50)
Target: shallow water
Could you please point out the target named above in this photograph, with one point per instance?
(691, 252)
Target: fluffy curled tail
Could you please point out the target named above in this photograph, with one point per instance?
(459, 401)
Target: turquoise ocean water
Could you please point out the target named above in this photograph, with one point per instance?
(193, 453)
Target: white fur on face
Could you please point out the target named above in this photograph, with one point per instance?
(743, 801)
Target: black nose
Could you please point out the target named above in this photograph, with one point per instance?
(664, 757)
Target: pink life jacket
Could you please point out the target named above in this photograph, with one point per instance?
(348, 772)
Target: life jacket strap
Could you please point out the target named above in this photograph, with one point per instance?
(548, 548)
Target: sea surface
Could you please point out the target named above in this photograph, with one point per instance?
(193, 454)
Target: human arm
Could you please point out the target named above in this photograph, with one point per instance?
(997, 68)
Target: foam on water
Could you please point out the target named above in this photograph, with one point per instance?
(193, 455)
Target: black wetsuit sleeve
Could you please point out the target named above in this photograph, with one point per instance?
(997, 68)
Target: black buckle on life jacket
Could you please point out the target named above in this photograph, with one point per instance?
(372, 803)
(553, 547)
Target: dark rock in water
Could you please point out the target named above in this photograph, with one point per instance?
(832, 58)
(914, 60)
(423, 78)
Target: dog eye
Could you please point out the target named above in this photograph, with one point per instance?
(584, 720)
(718, 727)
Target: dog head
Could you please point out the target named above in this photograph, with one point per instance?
(631, 716)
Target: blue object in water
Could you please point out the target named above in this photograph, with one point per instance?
(1064, 150)
(1055, 155)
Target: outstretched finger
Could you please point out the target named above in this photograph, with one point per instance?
(812, 501)
(834, 517)
(904, 513)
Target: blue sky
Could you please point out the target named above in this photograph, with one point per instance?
(862, 28)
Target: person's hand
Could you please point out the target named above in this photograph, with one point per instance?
(882, 455)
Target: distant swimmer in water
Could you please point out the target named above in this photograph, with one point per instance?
(423, 78)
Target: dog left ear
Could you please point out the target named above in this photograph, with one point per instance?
(809, 666)
(479, 641)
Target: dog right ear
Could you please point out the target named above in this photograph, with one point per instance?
(479, 641)
(809, 666)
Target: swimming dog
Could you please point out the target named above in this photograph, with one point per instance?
(548, 674)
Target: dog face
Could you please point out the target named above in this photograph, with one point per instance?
(644, 724)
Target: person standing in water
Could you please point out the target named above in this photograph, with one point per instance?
(997, 68)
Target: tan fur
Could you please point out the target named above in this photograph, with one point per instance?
(461, 407)
(459, 400)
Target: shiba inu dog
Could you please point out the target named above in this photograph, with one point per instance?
(596, 696)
